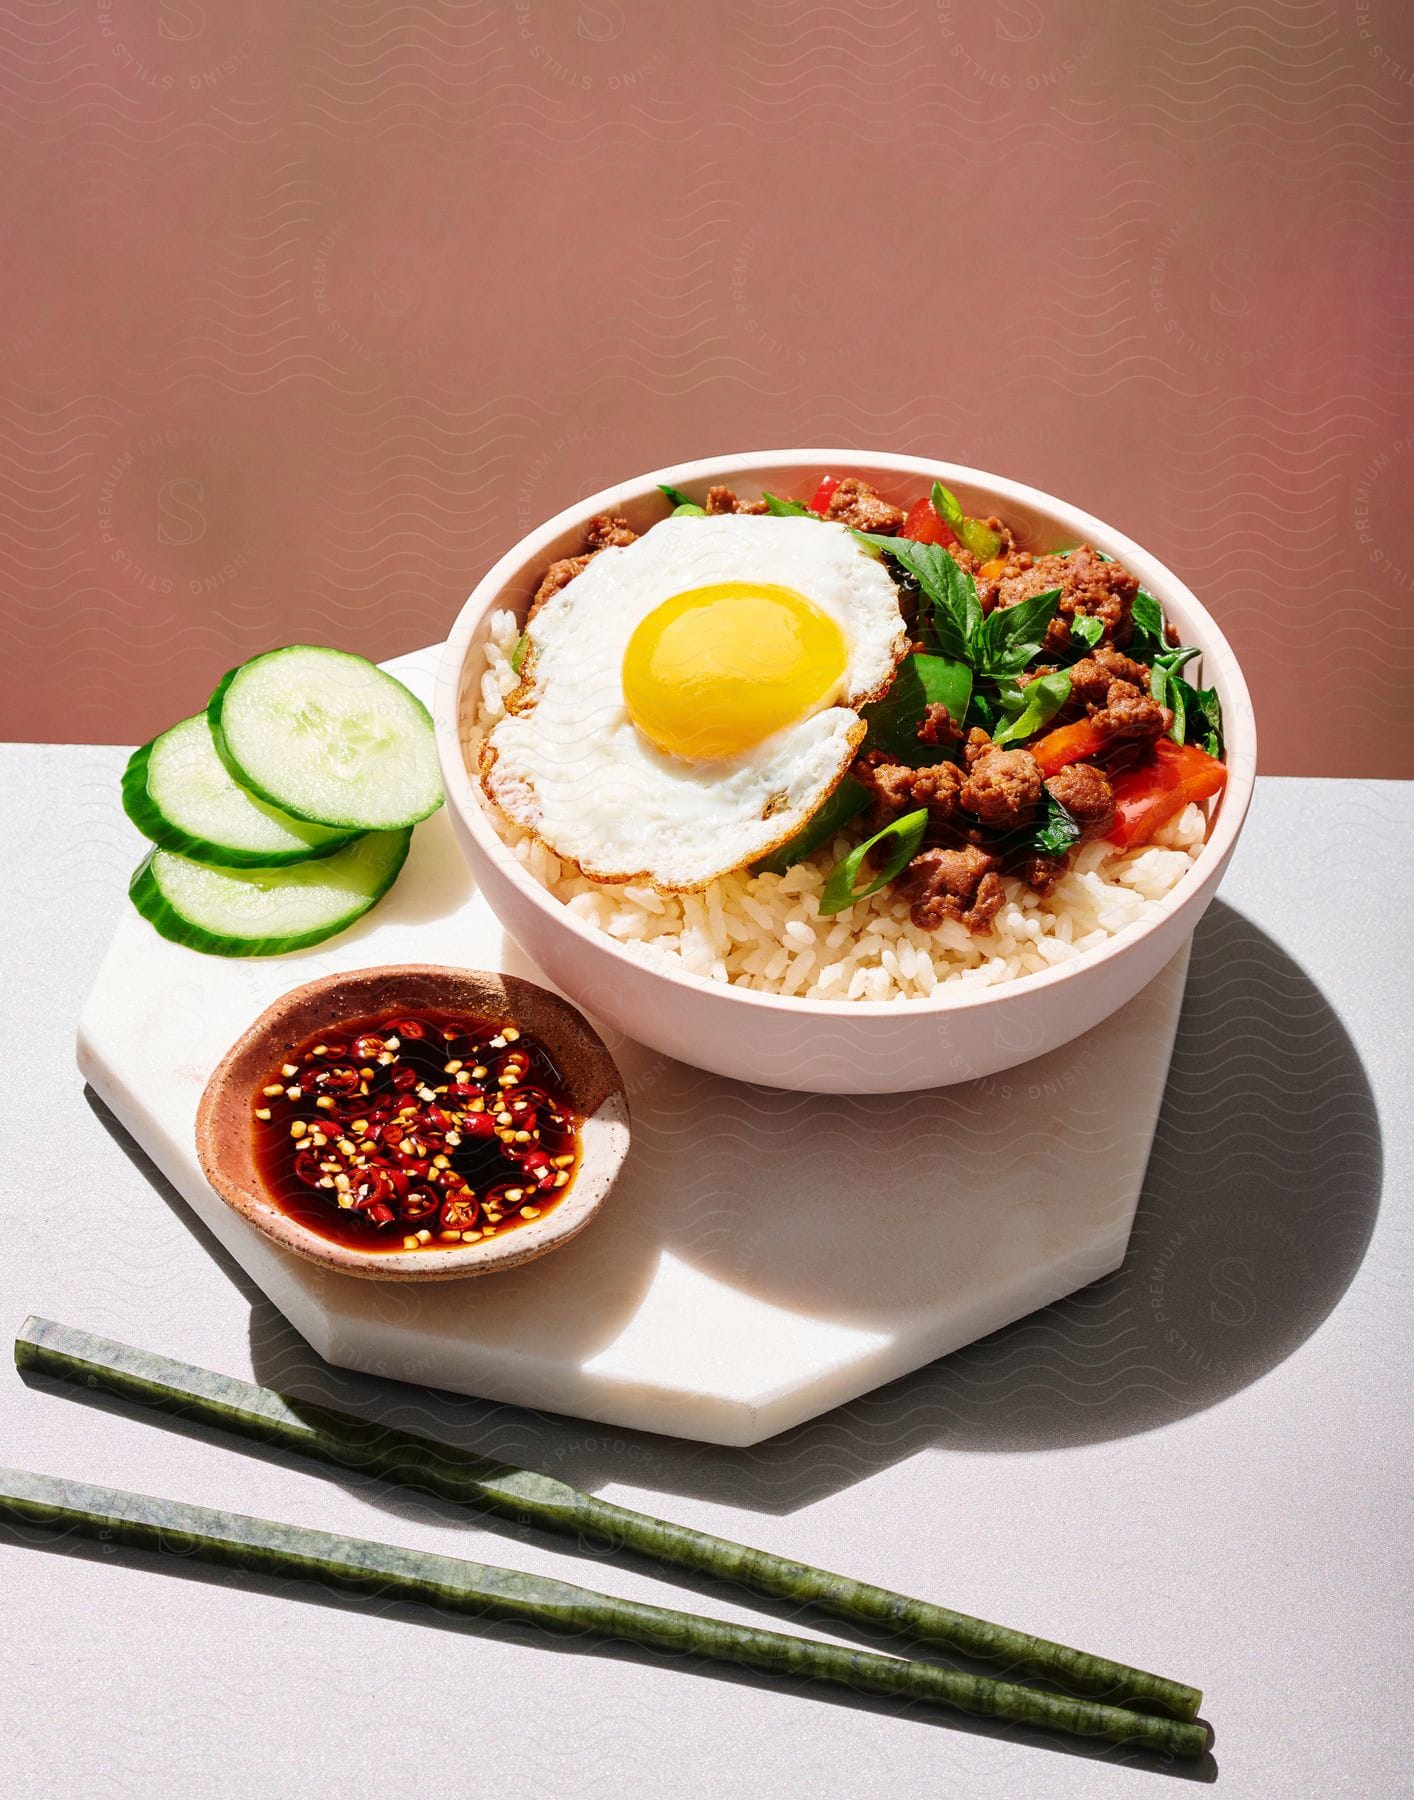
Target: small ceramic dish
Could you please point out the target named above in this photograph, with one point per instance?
(225, 1139)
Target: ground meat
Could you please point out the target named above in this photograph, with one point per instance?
(1085, 793)
(558, 575)
(937, 727)
(1009, 564)
(1040, 872)
(723, 500)
(1090, 678)
(897, 789)
(1088, 585)
(855, 503)
(1131, 712)
(952, 884)
(608, 530)
(1002, 787)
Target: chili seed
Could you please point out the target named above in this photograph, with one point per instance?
(298, 1128)
(262, 1112)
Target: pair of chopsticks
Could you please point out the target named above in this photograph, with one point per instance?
(1106, 1700)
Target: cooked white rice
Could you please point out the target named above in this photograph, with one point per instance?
(764, 931)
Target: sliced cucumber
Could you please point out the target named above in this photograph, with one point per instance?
(327, 737)
(264, 912)
(179, 793)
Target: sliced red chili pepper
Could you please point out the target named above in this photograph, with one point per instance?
(379, 1215)
(477, 1125)
(419, 1204)
(367, 1047)
(537, 1166)
(460, 1211)
(820, 499)
(411, 1029)
(307, 1168)
(404, 1078)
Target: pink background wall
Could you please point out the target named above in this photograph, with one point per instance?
(312, 309)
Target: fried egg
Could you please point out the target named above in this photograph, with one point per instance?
(689, 700)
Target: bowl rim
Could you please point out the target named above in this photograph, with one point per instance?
(592, 1073)
(1240, 728)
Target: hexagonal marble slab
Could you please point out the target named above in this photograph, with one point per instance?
(764, 1257)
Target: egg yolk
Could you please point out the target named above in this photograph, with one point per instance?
(714, 671)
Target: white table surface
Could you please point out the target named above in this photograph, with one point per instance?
(1200, 1464)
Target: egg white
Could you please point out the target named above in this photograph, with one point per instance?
(568, 763)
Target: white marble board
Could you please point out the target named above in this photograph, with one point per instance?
(765, 1256)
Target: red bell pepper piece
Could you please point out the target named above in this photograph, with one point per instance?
(820, 499)
(925, 527)
(1067, 744)
(1147, 798)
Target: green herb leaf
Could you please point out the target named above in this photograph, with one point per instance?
(1052, 833)
(787, 509)
(952, 615)
(676, 495)
(518, 654)
(1148, 619)
(1164, 685)
(1089, 631)
(978, 536)
(1211, 709)
(1012, 635)
(847, 801)
(984, 712)
(1042, 700)
(902, 835)
(893, 721)
(947, 507)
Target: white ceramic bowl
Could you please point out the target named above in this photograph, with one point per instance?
(833, 1046)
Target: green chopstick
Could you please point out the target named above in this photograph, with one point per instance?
(240, 1407)
(389, 1571)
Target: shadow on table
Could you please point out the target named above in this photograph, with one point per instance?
(321, 1593)
(1260, 1197)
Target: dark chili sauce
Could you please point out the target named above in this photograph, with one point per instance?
(415, 1131)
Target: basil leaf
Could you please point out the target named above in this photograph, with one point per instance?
(1043, 700)
(1211, 709)
(947, 507)
(518, 654)
(952, 616)
(1148, 619)
(676, 495)
(983, 712)
(979, 538)
(902, 835)
(961, 599)
(1088, 630)
(1012, 635)
(849, 799)
(1197, 715)
(1166, 686)
(893, 721)
(787, 509)
(1051, 834)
